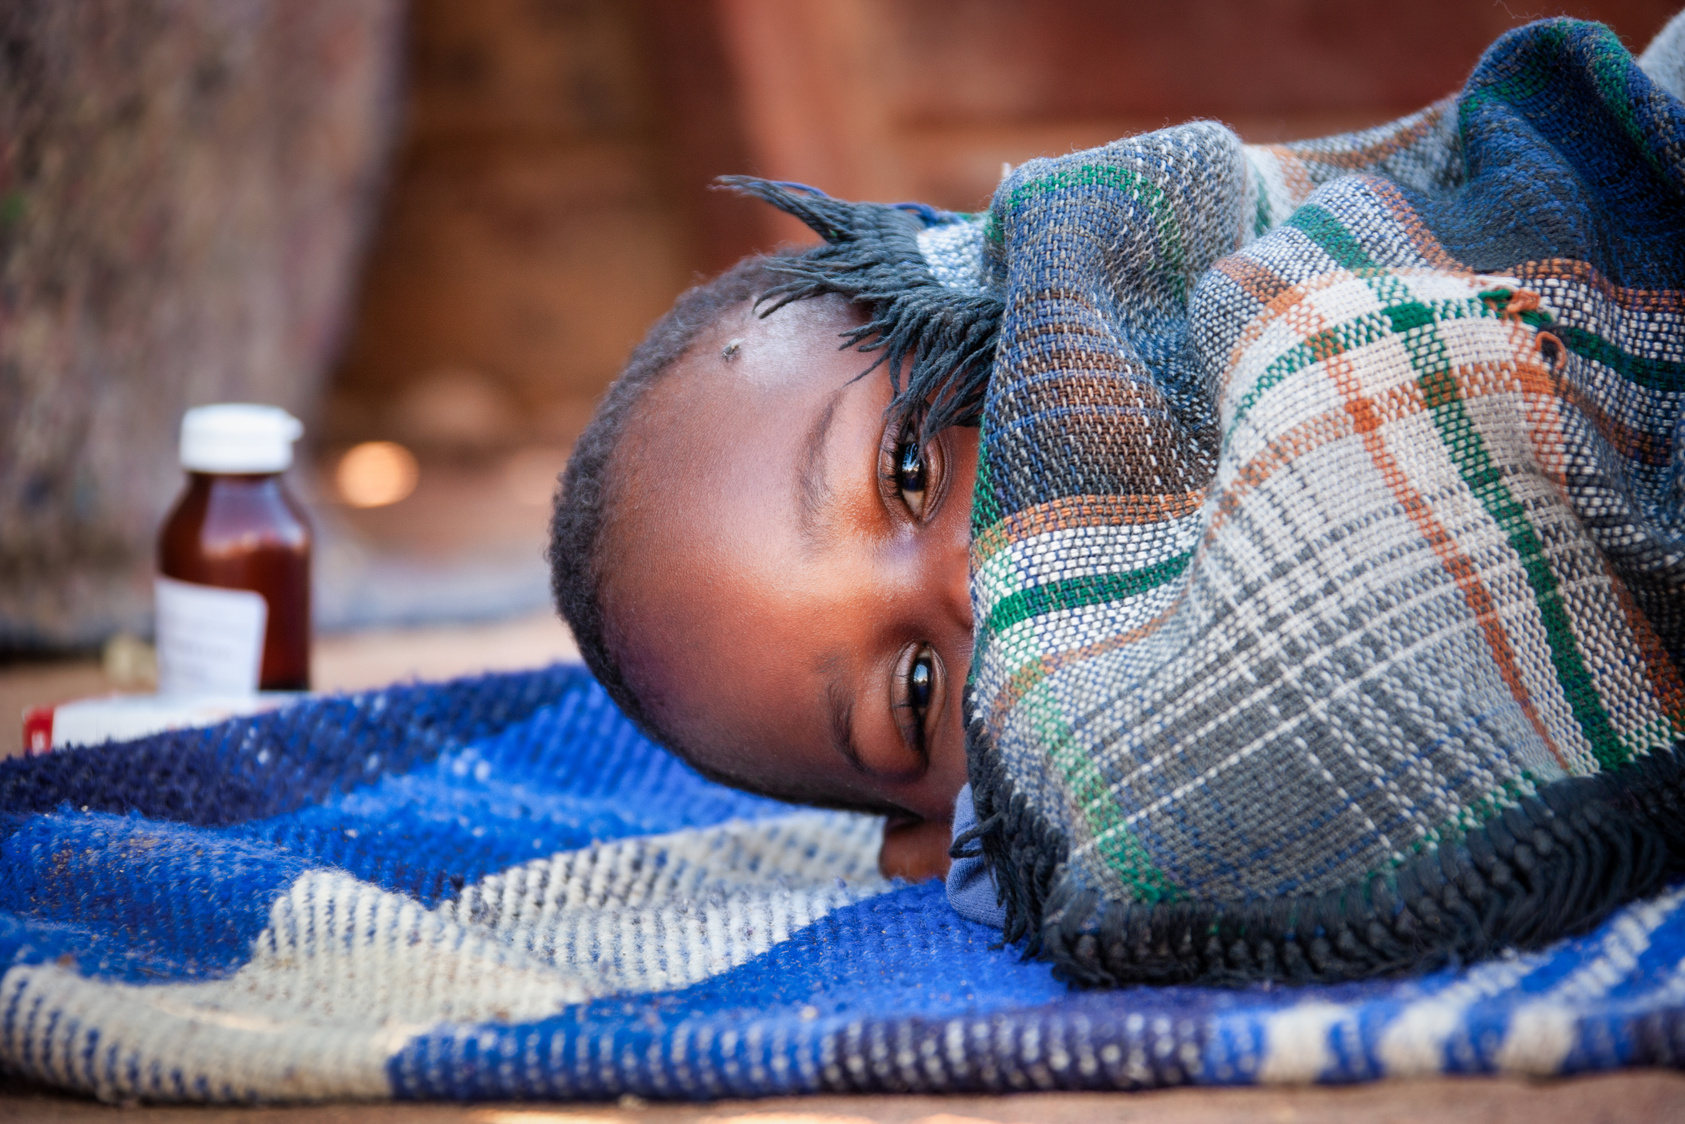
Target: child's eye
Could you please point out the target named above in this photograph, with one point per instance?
(909, 472)
(917, 690)
(911, 469)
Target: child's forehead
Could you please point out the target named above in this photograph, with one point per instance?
(746, 379)
(773, 348)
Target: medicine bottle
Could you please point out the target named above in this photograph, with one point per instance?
(233, 592)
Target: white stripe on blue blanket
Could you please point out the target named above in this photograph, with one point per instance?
(1515, 1014)
(346, 974)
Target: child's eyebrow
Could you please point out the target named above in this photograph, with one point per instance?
(811, 488)
(842, 717)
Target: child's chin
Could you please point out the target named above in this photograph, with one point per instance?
(916, 850)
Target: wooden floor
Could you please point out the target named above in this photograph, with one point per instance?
(1644, 1096)
(371, 659)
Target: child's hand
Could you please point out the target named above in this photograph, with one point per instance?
(915, 849)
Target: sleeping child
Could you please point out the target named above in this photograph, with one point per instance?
(1276, 554)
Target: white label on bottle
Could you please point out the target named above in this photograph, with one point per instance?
(210, 640)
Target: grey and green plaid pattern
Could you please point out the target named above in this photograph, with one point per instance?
(1301, 546)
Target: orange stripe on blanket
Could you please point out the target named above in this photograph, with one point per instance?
(1027, 677)
(1356, 159)
(1546, 417)
(1367, 423)
(1279, 308)
(1584, 273)
(1628, 441)
(1255, 279)
(1070, 512)
(1533, 381)
(1421, 238)
(1294, 175)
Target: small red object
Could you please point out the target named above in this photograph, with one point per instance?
(37, 730)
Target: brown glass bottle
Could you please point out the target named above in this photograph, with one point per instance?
(245, 531)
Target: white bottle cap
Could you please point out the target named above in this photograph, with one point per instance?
(237, 437)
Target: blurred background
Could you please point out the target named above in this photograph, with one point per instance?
(434, 230)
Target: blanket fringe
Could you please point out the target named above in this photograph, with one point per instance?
(938, 342)
(1550, 866)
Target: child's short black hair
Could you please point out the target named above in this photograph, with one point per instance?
(939, 346)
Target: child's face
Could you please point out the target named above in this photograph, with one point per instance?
(788, 572)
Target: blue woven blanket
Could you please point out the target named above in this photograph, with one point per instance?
(497, 888)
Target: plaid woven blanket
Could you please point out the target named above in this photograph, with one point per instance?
(498, 889)
(1328, 553)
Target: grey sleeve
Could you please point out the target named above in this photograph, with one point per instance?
(971, 888)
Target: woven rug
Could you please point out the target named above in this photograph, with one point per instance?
(496, 888)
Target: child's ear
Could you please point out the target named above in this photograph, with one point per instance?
(915, 849)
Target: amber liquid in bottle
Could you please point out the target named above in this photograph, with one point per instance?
(244, 531)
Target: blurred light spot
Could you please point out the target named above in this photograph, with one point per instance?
(376, 473)
(129, 661)
(529, 475)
